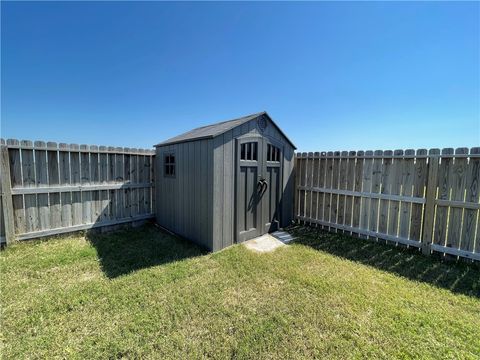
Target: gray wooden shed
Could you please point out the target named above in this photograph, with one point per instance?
(227, 182)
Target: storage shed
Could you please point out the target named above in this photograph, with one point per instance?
(227, 182)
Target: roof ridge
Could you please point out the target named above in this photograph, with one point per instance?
(226, 121)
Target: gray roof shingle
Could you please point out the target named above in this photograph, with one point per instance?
(213, 130)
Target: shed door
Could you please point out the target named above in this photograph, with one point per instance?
(258, 184)
(272, 188)
(248, 188)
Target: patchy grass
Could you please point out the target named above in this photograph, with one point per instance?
(145, 294)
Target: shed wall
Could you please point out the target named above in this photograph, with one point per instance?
(224, 181)
(184, 203)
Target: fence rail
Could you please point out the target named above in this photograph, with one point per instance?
(426, 199)
(50, 188)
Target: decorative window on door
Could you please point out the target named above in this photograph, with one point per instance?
(273, 153)
(248, 151)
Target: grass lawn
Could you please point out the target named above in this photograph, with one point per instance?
(142, 293)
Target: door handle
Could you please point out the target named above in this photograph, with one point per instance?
(264, 186)
(260, 184)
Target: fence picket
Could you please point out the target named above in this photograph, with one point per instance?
(28, 166)
(41, 172)
(472, 195)
(386, 186)
(366, 187)
(52, 159)
(105, 211)
(321, 183)
(64, 159)
(19, 214)
(444, 185)
(407, 190)
(430, 197)
(375, 189)
(302, 182)
(342, 185)
(316, 165)
(75, 164)
(75, 172)
(328, 184)
(394, 210)
(419, 184)
(350, 183)
(308, 182)
(141, 176)
(7, 222)
(119, 177)
(458, 181)
(28, 174)
(134, 178)
(65, 197)
(357, 200)
(15, 164)
(148, 190)
(335, 184)
(55, 211)
(103, 164)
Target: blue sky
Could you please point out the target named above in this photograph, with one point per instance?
(334, 76)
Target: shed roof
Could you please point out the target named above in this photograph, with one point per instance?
(213, 130)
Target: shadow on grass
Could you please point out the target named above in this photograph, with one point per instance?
(133, 249)
(458, 277)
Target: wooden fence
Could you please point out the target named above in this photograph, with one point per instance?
(428, 200)
(50, 189)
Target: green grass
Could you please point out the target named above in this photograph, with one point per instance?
(142, 293)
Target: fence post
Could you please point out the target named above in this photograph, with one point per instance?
(7, 202)
(431, 194)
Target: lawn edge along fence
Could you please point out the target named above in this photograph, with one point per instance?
(425, 199)
(49, 189)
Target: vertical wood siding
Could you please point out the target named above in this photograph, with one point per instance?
(184, 202)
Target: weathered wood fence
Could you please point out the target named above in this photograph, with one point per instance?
(50, 189)
(426, 199)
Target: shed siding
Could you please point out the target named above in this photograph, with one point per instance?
(224, 181)
(182, 203)
(218, 185)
